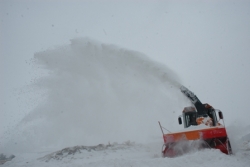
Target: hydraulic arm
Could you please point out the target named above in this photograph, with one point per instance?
(201, 109)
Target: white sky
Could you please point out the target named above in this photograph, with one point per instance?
(207, 43)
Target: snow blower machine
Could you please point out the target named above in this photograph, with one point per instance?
(203, 128)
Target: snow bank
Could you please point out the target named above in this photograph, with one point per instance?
(138, 155)
(239, 135)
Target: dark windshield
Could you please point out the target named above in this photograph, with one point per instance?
(190, 119)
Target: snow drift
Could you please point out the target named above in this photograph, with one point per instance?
(99, 93)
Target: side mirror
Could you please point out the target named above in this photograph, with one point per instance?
(180, 121)
(220, 115)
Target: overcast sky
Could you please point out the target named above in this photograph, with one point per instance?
(207, 43)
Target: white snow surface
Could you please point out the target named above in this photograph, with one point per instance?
(131, 154)
(96, 93)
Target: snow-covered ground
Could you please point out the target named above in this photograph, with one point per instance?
(94, 93)
(131, 154)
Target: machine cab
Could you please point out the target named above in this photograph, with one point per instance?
(189, 115)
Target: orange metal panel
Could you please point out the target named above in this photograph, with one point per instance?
(207, 133)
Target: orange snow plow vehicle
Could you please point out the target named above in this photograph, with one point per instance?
(202, 130)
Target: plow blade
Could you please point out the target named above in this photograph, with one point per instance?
(176, 144)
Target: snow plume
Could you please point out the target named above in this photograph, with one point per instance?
(99, 93)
